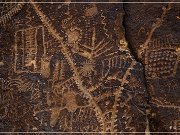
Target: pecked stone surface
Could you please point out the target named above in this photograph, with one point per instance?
(67, 68)
(153, 33)
(89, 67)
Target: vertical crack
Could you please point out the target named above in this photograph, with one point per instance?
(125, 34)
(131, 49)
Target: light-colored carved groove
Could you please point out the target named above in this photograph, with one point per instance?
(164, 104)
(118, 95)
(126, 115)
(103, 96)
(154, 27)
(69, 59)
(104, 25)
(169, 106)
(13, 11)
(28, 16)
(163, 42)
(177, 60)
(14, 82)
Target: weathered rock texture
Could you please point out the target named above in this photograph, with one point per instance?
(91, 67)
(153, 32)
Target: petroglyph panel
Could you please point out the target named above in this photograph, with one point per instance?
(7, 10)
(163, 57)
(153, 32)
(88, 67)
(28, 43)
(71, 71)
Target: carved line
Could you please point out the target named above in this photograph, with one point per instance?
(118, 95)
(154, 27)
(68, 56)
(13, 11)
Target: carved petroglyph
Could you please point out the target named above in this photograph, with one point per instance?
(91, 11)
(156, 25)
(176, 125)
(27, 43)
(69, 76)
(163, 57)
(8, 10)
(70, 62)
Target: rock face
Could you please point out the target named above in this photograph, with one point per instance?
(153, 32)
(89, 67)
